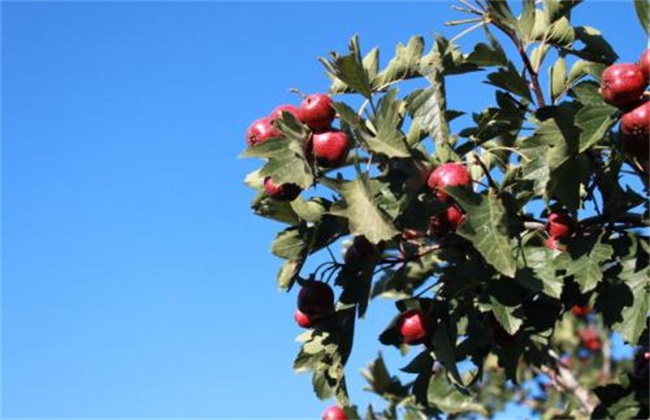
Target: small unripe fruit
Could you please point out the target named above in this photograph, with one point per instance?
(559, 225)
(330, 148)
(334, 413)
(622, 84)
(448, 175)
(316, 299)
(282, 192)
(412, 326)
(301, 319)
(277, 112)
(260, 131)
(644, 64)
(316, 111)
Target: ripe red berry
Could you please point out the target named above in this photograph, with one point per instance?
(302, 320)
(446, 222)
(334, 413)
(448, 175)
(635, 130)
(412, 326)
(622, 84)
(316, 111)
(644, 64)
(559, 225)
(330, 148)
(552, 243)
(277, 112)
(282, 192)
(580, 311)
(590, 339)
(260, 131)
(316, 299)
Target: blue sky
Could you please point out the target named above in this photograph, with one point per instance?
(136, 282)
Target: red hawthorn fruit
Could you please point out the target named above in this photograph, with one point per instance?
(283, 192)
(580, 311)
(330, 148)
(446, 222)
(260, 131)
(635, 130)
(412, 326)
(559, 225)
(334, 413)
(448, 175)
(622, 84)
(644, 64)
(589, 339)
(316, 111)
(316, 299)
(552, 243)
(277, 111)
(301, 319)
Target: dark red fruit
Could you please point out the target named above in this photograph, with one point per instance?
(277, 112)
(559, 225)
(316, 299)
(302, 320)
(635, 130)
(644, 64)
(316, 111)
(622, 84)
(448, 175)
(260, 131)
(283, 192)
(580, 311)
(334, 413)
(361, 251)
(446, 222)
(330, 148)
(412, 326)
(589, 339)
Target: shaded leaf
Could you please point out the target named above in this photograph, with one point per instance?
(642, 8)
(509, 79)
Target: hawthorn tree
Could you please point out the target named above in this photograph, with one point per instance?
(513, 241)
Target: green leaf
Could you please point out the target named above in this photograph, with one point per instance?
(556, 9)
(635, 316)
(558, 78)
(484, 55)
(594, 120)
(288, 244)
(444, 396)
(444, 350)
(311, 210)
(587, 254)
(537, 273)
(404, 65)
(287, 161)
(428, 109)
(501, 14)
(527, 18)
(509, 79)
(486, 227)
(642, 8)
(267, 207)
(359, 207)
(350, 70)
(288, 273)
(596, 48)
(559, 133)
(389, 139)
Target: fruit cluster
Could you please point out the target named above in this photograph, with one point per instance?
(447, 175)
(623, 86)
(327, 147)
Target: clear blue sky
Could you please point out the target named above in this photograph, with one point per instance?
(136, 282)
